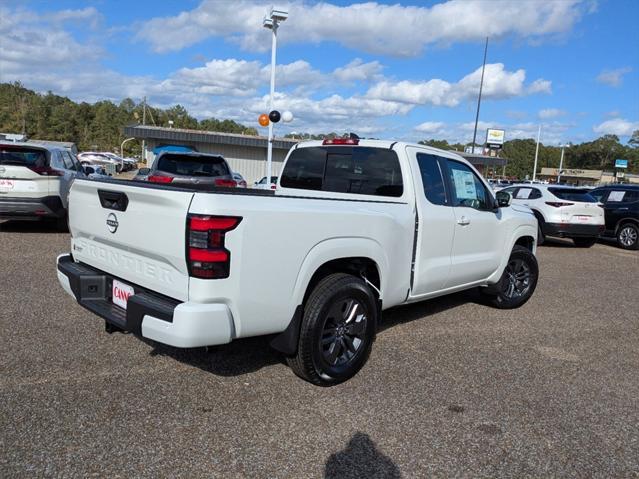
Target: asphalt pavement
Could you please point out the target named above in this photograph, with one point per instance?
(453, 388)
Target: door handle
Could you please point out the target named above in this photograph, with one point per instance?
(463, 221)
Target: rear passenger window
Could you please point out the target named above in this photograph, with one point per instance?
(68, 162)
(623, 196)
(359, 170)
(57, 161)
(432, 178)
(525, 193)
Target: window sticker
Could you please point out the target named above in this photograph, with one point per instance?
(464, 185)
(524, 193)
(616, 195)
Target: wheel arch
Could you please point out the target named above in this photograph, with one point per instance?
(345, 255)
(623, 221)
(357, 256)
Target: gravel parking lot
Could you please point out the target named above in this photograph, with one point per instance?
(453, 388)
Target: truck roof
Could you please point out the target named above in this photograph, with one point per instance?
(387, 144)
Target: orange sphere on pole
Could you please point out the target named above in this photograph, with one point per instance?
(263, 119)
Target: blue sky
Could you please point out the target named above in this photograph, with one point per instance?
(406, 70)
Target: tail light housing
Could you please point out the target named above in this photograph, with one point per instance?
(225, 183)
(558, 204)
(207, 258)
(160, 179)
(45, 171)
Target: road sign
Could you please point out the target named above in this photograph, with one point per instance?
(621, 163)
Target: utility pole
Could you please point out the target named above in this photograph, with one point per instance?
(144, 123)
(536, 154)
(481, 86)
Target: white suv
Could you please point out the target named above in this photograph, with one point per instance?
(562, 211)
(35, 181)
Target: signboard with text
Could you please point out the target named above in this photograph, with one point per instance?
(621, 163)
(495, 137)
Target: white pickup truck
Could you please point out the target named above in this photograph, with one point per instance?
(354, 227)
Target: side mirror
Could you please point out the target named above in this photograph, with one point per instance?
(88, 170)
(504, 199)
(144, 171)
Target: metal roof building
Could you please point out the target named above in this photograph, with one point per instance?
(245, 154)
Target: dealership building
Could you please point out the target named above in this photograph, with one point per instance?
(246, 154)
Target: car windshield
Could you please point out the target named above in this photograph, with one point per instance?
(189, 165)
(12, 155)
(573, 194)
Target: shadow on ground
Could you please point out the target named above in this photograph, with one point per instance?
(244, 356)
(40, 226)
(360, 459)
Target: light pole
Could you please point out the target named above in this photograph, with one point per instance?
(272, 22)
(561, 163)
(536, 154)
(122, 146)
(481, 86)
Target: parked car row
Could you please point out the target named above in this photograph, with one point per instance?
(106, 159)
(583, 214)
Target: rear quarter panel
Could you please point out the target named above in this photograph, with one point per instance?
(281, 241)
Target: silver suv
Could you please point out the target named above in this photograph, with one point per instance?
(35, 180)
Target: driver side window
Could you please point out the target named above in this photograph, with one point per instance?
(467, 188)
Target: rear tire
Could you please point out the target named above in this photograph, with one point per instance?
(517, 282)
(337, 331)
(628, 236)
(584, 242)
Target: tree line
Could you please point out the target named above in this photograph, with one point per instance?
(96, 126)
(599, 154)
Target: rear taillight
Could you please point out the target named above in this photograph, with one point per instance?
(206, 255)
(45, 171)
(225, 183)
(160, 179)
(558, 204)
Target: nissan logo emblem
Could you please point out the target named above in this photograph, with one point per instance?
(112, 223)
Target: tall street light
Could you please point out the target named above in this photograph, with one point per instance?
(561, 162)
(272, 22)
(481, 86)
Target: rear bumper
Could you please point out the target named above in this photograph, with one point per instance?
(148, 314)
(31, 208)
(572, 230)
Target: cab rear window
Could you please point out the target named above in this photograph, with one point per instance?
(11, 155)
(573, 194)
(358, 170)
(190, 165)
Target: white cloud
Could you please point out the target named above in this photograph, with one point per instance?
(32, 43)
(431, 127)
(613, 78)
(364, 26)
(498, 84)
(358, 71)
(548, 113)
(616, 126)
(539, 86)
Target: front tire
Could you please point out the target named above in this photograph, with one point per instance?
(584, 242)
(628, 236)
(517, 283)
(337, 331)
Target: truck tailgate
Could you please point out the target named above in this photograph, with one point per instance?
(134, 232)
